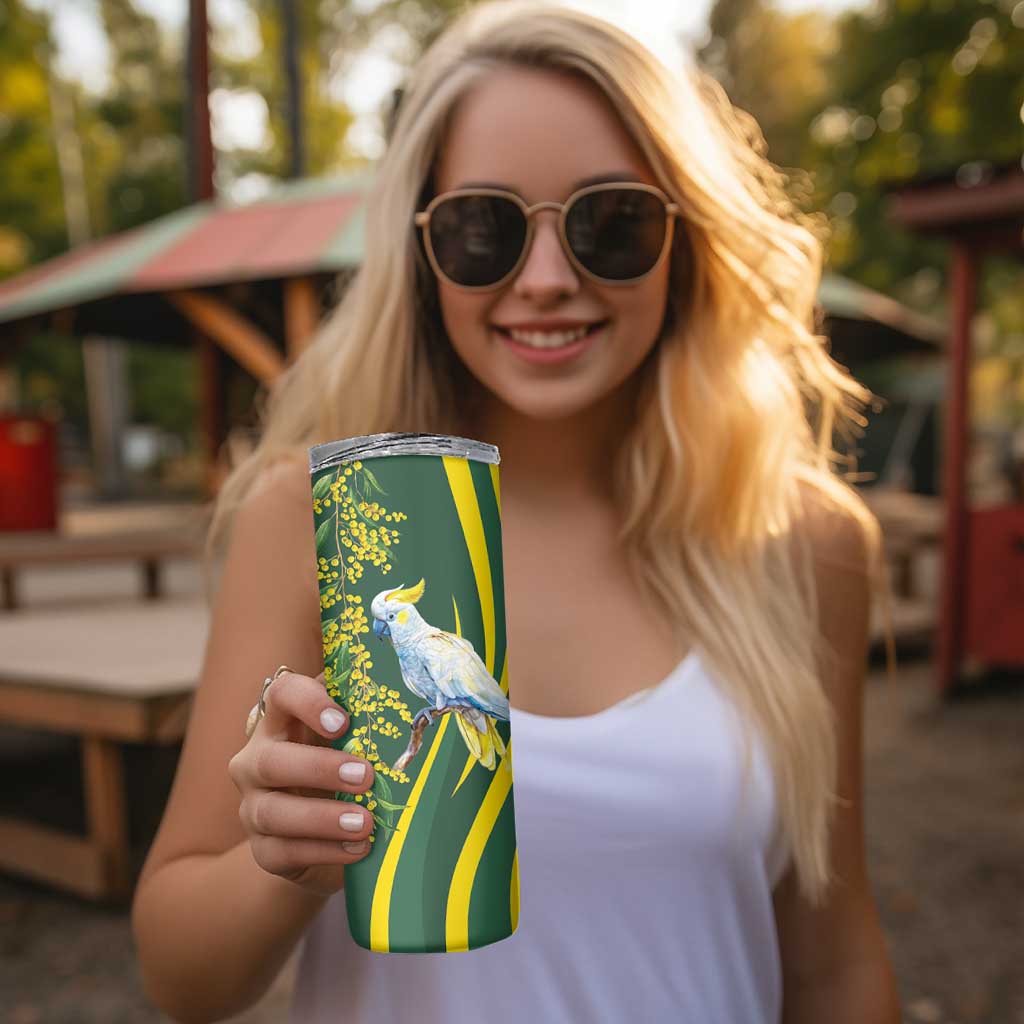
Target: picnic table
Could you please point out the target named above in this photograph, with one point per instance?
(109, 674)
(149, 548)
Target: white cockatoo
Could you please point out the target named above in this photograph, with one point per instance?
(444, 670)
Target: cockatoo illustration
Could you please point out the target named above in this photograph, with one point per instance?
(443, 669)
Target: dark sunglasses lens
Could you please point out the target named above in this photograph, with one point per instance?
(617, 233)
(477, 239)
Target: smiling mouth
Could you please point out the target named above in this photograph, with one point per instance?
(553, 340)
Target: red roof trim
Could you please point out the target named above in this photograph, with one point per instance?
(248, 242)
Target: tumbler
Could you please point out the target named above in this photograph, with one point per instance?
(409, 563)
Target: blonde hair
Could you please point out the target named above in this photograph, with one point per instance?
(723, 446)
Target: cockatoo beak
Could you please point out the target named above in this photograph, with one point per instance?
(380, 629)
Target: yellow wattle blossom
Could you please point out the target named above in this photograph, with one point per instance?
(358, 543)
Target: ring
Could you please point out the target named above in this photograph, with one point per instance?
(259, 709)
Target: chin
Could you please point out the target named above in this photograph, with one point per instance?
(551, 404)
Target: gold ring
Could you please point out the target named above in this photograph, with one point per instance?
(259, 709)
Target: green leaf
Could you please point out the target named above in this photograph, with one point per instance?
(322, 487)
(389, 805)
(352, 743)
(323, 535)
(373, 480)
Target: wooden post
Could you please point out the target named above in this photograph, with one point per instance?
(301, 313)
(963, 286)
(200, 142)
(105, 810)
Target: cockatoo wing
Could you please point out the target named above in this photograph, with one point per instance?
(460, 675)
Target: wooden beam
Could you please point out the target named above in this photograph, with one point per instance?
(49, 855)
(65, 709)
(242, 340)
(948, 205)
(301, 313)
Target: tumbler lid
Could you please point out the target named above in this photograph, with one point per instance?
(371, 446)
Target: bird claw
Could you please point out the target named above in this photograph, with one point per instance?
(423, 713)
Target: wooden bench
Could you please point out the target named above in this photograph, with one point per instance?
(110, 674)
(147, 547)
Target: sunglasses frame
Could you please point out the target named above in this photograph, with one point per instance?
(422, 220)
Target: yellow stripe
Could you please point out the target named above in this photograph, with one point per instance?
(461, 482)
(380, 910)
(457, 916)
(497, 488)
(460, 891)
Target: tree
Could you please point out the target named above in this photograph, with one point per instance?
(31, 206)
(772, 65)
(918, 86)
(136, 131)
(334, 34)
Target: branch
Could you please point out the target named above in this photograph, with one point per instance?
(416, 739)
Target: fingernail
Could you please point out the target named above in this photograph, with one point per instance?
(351, 822)
(332, 719)
(352, 771)
(356, 847)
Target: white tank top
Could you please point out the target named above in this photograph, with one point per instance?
(645, 890)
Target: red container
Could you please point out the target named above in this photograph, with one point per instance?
(995, 585)
(28, 473)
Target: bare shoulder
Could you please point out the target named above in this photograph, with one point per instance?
(842, 536)
(281, 492)
(287, 475)
(843, 540)
(271, 558)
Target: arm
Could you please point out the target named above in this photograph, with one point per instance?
(212, 927)
(835, 963)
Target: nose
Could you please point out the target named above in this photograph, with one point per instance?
(547, 269)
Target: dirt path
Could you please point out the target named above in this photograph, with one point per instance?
(944, 791)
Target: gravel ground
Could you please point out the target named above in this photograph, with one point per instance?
(944, 794)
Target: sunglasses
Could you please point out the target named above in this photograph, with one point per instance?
(615, 233)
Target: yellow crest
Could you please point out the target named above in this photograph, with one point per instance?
(408, 594)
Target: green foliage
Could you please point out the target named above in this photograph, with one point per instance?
(903, 88)
(772, 65)
(334, 33)
(164, 388)
(918, 86)
(50, 376)
(135, 137)
(31, 207)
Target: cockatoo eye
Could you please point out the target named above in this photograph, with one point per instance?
(391, 615)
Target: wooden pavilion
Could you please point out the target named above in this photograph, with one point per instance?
(249, 282)
(240, 282)
(979, 209)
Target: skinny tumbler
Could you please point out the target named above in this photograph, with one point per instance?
(409, 561)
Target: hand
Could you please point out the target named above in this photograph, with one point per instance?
(283, 773)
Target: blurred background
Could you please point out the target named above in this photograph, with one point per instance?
(182, 199)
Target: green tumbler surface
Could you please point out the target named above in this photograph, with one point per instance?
(409, 562)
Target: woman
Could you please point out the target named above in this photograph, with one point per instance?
(687, 580)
